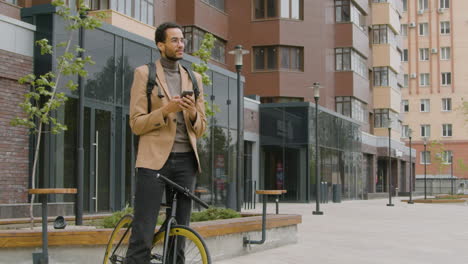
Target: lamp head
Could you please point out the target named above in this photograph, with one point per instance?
(238, 53)
(410, 132)
(316, 87)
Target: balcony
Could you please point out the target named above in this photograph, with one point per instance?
(387, 97)
(127, 23)
(349, 83)
(385, 14)
(385, 55)
(350, 35)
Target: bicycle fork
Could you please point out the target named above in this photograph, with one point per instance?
(172, 221)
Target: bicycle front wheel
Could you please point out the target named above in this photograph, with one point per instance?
(184, 243)
(118, 243)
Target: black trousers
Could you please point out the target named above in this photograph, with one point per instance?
(180, 168)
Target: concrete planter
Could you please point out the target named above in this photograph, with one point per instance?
(86, 245)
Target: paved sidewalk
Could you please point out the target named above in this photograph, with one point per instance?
(369, 232)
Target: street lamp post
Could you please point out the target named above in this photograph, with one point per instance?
(390, 163)
(410, 169)
(238, 52)
(317, 211)
(451, 172)
(425, 164)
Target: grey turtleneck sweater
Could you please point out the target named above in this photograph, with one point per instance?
(172, 74)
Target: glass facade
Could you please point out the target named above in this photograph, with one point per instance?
(108, 143)
(287, 136)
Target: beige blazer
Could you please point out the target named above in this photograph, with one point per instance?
(157, 134)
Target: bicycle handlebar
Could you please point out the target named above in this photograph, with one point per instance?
(182, 190)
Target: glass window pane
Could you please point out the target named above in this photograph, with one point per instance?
(144, 11)
(259, 9)
(272, 58)
(150, 15)
(295, 12)
(137, 9)
(259, 54)
(285, 58)
(285, 8)
(271, 8)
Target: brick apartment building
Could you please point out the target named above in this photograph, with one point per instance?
(352, 48)
(435, 87)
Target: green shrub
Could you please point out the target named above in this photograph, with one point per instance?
(214, 213)
(112, 220)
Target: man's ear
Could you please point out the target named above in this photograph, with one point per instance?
(160, 46)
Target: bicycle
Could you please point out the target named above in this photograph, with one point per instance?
(166, 244)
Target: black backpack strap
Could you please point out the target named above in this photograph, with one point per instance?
(196, 90)
(151, 83)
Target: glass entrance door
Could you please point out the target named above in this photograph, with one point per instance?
(97, 143)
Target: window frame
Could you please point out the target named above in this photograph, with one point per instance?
(278, 59)
(405, 55)
(446, 104)
(425, 130)
(423, 81)
(423, 54)
(405, 106)
(424, 27)
(425, 156)
(445, 53)
(208, 2)
(447, 157)
(444, 4)
(446, 78)
(424, 105)
(278, 8)
(423, 5)
(445, 27)
(447, 130)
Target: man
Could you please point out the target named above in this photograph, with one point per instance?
(168, 137)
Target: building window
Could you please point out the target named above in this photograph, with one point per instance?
(446, 130)
(446, 78)
(142, 10)
(347, 59)
(13, 2)
(266, 58)
(381, 76)
(346, 11)
(405, 106)
(405, 80)
(425, 130)
(404, 55)
(424, 79)
(291, 58)
(405, 131)
(447, 156)
(445, 27)
(444, 4)
(423, 4)
(351, 107)
(425, 157)
(424, 54)
(219, 4)
(381, 117)
(445, 53)
(405, 5)
(425, 105)
(292, 9)
(380, 34)
(404, 30)
(423, 29)
(446, 104)
(194, 37)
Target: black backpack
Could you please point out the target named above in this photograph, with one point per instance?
(152, 82)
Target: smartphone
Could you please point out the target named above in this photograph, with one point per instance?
(186, 93)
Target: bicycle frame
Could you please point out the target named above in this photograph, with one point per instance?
(167, 227)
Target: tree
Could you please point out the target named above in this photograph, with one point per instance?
(43, 98)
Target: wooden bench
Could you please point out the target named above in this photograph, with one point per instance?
(43, 257)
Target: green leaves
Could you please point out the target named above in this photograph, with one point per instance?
(43, 98)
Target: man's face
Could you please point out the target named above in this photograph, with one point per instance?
(173, 47)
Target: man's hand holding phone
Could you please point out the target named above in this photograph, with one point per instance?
(187, 103)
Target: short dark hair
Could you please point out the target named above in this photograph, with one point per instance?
(160, 34)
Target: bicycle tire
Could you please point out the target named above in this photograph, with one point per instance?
(195, 250)
(118, 242)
